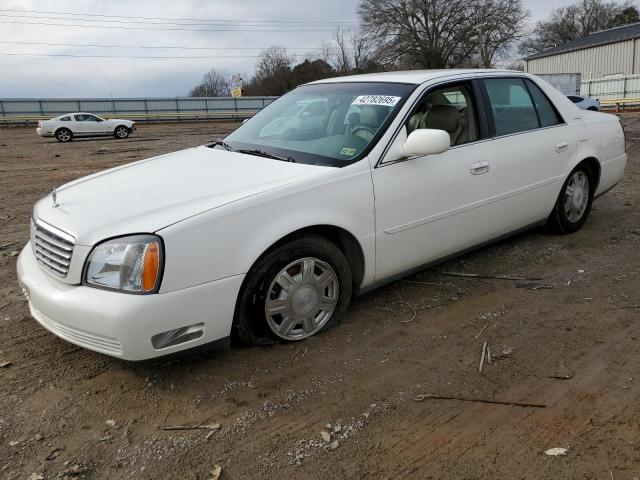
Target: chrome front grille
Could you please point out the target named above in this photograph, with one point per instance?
(52, 247)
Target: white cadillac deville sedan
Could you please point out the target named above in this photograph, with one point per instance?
(267, 235)
(66, 127)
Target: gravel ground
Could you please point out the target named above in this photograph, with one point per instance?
(349, 403)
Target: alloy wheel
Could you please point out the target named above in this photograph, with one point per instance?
(64, 136)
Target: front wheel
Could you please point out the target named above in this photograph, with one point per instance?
(121, 132)
(574, 202)
(296, 290)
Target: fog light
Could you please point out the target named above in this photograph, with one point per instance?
(177, 336)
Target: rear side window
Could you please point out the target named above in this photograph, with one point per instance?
(546, 111)
(574, 99)
(511, 105)
(65, 119)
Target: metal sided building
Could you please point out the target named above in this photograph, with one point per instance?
(613, 52)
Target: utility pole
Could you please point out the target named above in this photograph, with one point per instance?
(483, 50)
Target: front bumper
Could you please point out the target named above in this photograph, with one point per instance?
(120, 324)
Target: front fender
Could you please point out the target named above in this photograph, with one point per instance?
(228, 240)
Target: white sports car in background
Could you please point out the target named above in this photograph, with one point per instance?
(586, 103)
(266, 235)
(70, 125)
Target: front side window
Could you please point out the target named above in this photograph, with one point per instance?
(83, 117)
(451, 109)
(511, 105)
(323, 124)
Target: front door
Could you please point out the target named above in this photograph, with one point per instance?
(89, 124)
(429, 207)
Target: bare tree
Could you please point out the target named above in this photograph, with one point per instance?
(273, 73)
(439, 33)
(499, 26)
(272, 60)
(215, 83)
(325, 53)
(361, 50)
(516, 65)
(352, 52)
(576, 21)
(341, 55)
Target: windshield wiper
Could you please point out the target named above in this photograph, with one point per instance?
(260, 153)
(222, 143)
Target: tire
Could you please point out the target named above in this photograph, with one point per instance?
(267, 311)
(592, 109)
(64, 135)
(121, 131)
(574, 203)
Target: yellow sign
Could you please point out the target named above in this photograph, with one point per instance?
(236, 92)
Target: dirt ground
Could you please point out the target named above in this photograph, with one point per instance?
(68, 412)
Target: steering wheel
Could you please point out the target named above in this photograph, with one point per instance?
(365, 129)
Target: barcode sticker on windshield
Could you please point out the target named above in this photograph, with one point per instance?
(386, 100)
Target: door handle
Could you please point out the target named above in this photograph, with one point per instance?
(562, 147)
(479, 168)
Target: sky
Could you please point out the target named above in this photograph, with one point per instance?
(36, 59)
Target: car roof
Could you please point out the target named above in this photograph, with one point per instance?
(77, 113)
(414, 76)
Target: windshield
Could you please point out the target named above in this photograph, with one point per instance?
(331, 124)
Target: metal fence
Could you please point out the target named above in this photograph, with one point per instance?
(30, 110)
(613, 88)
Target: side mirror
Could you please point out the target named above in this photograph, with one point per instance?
(245, 120)
(427, 141)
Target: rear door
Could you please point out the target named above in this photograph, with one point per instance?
(534, 145)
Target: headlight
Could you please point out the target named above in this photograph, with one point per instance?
(129, 264)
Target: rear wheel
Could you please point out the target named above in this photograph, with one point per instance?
(574, 202)
(593, 109)
(294, 291)
(64, 135)
(121, 131)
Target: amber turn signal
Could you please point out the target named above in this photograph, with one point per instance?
(150, 266)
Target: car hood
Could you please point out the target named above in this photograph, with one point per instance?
(151, 194)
